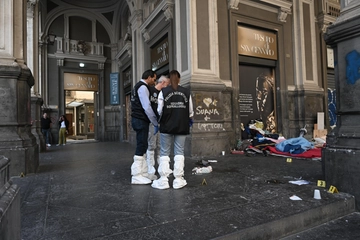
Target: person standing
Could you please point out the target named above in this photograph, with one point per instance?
(63, 130)
(141, 115)
(153, 138)
(45, 128)
(175, 109)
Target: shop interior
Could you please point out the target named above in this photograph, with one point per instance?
(80, 112)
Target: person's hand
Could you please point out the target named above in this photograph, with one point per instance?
(191, 122)
(156, 129)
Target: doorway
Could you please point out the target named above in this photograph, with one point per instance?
(81, 110)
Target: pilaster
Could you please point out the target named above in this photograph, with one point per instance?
(16, 140)
(137, 45)
(340, 157)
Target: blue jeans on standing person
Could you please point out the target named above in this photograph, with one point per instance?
(141, 128)
(46, 133)
(165, 143)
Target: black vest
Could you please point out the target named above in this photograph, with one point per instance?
(154, 93)
(137, 110)
(175, 115)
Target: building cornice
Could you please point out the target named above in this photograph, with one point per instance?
(284, 8)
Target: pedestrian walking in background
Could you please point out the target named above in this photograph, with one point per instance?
(175, 109)
(45, 128)
(63, 130)
(142, 115)
(153, 138)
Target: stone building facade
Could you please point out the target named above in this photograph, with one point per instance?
(241, 59)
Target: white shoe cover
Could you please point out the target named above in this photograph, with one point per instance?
(179, 183)
(179, 164)
(137, 166)
(164, 167)
(139, 179)
(152, 177)
(161, 183)
(150, 160)
(136, 171)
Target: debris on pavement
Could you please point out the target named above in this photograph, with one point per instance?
(295, 198)
(299, 182)
(200, 170)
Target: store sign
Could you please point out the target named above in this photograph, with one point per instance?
(257, 43)
(114, 88)
(81, 82)
(160, 55)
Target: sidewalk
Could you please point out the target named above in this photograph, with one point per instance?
(83, 191)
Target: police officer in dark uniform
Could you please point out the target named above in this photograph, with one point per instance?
(175, 109)
(141, 115)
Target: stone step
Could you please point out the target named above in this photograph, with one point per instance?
(346, 227)
(299, 220)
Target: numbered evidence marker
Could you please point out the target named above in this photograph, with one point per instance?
(333, 189)
(289, 160)
(321, 183)
(204, 182)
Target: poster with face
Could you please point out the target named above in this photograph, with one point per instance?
(256, 95)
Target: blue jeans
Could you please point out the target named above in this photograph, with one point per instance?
(141, 128)
(46, 133)
(165, 144)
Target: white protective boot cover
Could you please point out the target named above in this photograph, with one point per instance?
(179, 163)
(164, 171)
(150, 160)
(136, 171)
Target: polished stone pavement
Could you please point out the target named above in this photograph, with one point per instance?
(83, 191)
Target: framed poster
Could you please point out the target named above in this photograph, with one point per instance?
(257, 95)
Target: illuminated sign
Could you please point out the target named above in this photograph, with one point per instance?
(81, 82)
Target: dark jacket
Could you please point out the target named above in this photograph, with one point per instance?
(175, 114)
(154, 93)
(45, 123)
(66, 124)
(137, 110)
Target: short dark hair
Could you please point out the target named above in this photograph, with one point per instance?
(148, 73)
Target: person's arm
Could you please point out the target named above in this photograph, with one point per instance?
(144, 95)
(160, 103)
(191, 110)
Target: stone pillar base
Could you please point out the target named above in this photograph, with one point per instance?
(341, 169)
(10, 221)
(16, 140)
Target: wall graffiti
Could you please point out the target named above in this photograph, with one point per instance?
(332, 107)
(207, 107)
(352, 67)
(210, 126)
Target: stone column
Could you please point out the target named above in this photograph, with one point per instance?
(9, 204)
(137, 46)
(197, 60)
(33, 64)
(341, 163)
(16, 140)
